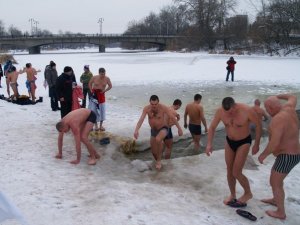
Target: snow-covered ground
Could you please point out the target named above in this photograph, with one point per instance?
(188, 190)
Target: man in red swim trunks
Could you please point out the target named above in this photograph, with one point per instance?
(98, 85)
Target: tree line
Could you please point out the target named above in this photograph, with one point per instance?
(214, 25)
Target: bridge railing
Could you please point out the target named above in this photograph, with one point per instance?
(84, 35)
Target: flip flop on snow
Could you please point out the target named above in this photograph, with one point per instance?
(232, 201)
(246, 214)
(236, 204)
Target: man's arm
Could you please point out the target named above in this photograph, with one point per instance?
(76, 133)
(139, 124)
(59, 145)
(109, 85)
(211, 131)
(203, 120)
(265, 116)
(291, 99)
(276, 129)
(91, 84)
(253, 117)
(185, 117)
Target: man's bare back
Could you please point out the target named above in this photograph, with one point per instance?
(76, 119)
(195, 113)
(13, 76)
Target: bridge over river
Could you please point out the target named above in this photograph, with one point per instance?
(33, 43)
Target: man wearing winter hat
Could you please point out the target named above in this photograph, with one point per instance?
(64, 90)
(85, 79)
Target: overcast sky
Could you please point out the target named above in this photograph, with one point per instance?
(81, 15)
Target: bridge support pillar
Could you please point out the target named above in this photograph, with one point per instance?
(34, 50)
(161, 48)
(101, 48)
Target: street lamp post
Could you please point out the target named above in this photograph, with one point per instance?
(100, 21)
(36, 27)
(31, 20)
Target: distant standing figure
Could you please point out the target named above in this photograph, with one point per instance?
(1, 74)
(169, 138)
(51, 77)
(230, 68)
(158, 117)
(236, 118)
(31, 78)
(80, 122)
(98, 86)
(195, 113)
(85, 79)
(284, 144)
(64, 88)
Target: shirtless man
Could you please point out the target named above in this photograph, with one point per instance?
(31, 77)
(196, 115)
(169, 138)
(262, 115)
(284, 144)
(98, 85)
(158, 117)
(81, 122)
(236, 118)
(12, 78)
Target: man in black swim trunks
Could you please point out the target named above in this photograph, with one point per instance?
(196, 115)
(284, 144)
(81, 122)
(236, 118)
(158, 117)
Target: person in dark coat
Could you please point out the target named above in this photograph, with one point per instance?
(230, 68)
(51, 77)
(1, 74)
(64, 90)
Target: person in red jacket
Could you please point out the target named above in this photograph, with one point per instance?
(230, 68)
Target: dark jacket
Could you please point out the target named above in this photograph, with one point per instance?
(1, 71)
(231, 64)
(51, 76)
(64, 86)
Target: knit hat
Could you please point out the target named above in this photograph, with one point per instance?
(87, 67)
(67, 69)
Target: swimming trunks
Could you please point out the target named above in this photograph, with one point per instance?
(170, 134)
(100, 95)
(155, 132)
(234, 145)
(13, 84)
(92, 117)
(195, 129)
(284, 163)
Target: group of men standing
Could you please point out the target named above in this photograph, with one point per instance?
(238, 119)
(12, 75)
